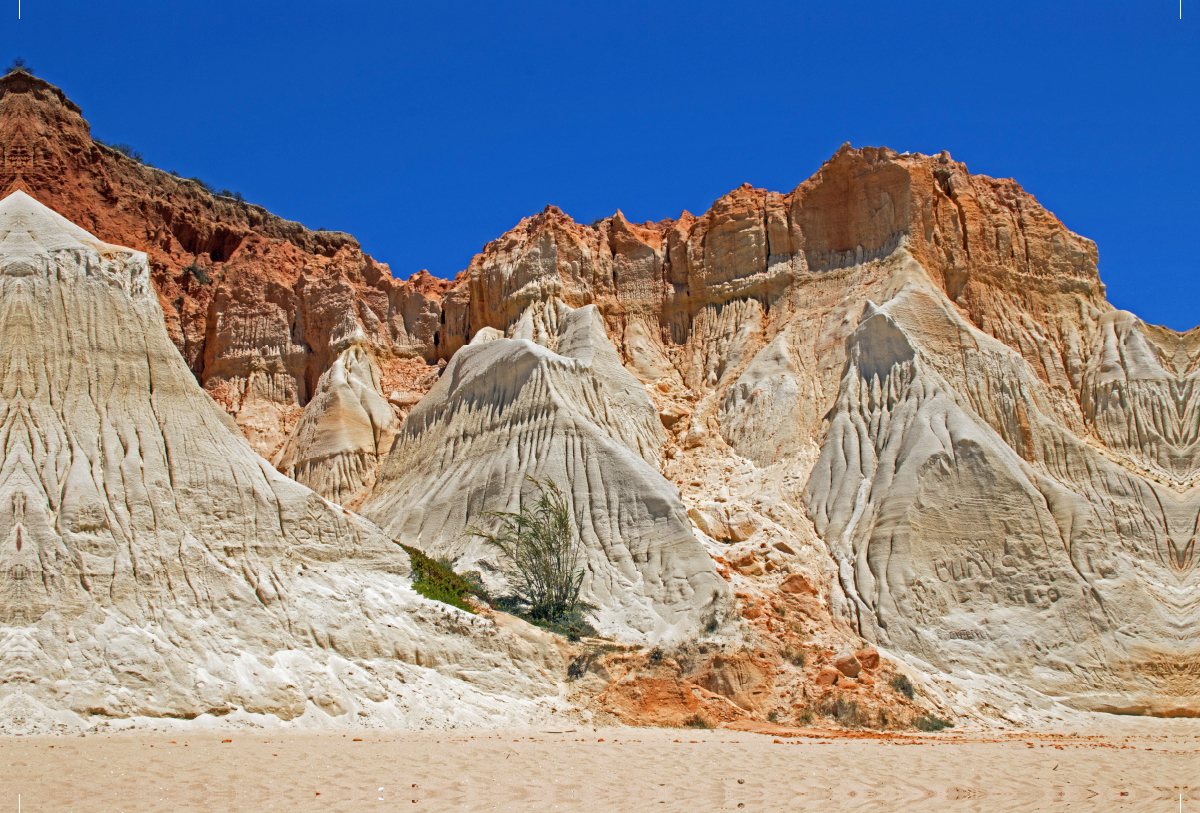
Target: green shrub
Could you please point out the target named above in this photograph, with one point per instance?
(19, 64)
(696, 721)
(573, 625)
(847, 712)
(656, 655)
(128, 152)
(475, 579)
(795, 656)
(903, 685)
(773, 717)
(929, 722)
(123, 149)
(543, 552)
(437, 581)
(579, 665)
(806, 716)
(199, 273)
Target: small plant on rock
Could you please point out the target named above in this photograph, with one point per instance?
(19, 64)
(805, 716)
(930, 722)
(199, 273)
(543, 552)
(696, 721)
(128, 152)
(903, 685)
(579, 665)
(435, 580)
(795, 655)
(847, 712)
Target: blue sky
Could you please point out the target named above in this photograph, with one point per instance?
(427, 129)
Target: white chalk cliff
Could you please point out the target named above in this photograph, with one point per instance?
(971, 529)
(152, 564)
(344, 430)
(553, 402)
(894, 403)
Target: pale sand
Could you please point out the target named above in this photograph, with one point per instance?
(626, 769)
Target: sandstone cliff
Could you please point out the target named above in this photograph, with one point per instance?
(510, 409)
(153, 565)
(259, 307)
(893, 404)
(1004, 465)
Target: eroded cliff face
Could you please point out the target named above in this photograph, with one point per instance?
(893, 405)
(259, 307)
(153, 565)
(904, 381)
(562, 408)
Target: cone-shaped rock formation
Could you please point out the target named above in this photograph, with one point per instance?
(893, 404)
(152, 564)
(509, 409)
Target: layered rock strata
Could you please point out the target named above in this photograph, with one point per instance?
(152, 564)
(1004, 464)
(554, 404)
(900, 383)
(259, 307)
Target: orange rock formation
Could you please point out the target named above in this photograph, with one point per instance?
(741, 323)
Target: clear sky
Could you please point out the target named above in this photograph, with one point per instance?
(427, 129)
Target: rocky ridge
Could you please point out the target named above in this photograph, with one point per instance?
(900, 384)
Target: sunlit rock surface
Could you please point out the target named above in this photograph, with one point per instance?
(152, 564)
(972, 530)
(900, 384)
(553, 404)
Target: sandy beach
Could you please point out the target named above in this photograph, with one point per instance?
(1135, 765)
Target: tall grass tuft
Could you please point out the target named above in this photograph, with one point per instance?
(544, 557)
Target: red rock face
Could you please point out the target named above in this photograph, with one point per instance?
(738, 322)
(983, 237)
(258, 306)
(261, 307)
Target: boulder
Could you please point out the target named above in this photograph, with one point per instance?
(868, 657)
(742, 523)
(797, 584)
(672, 414)
(827, 676)
(847, 664)
(711, 520)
